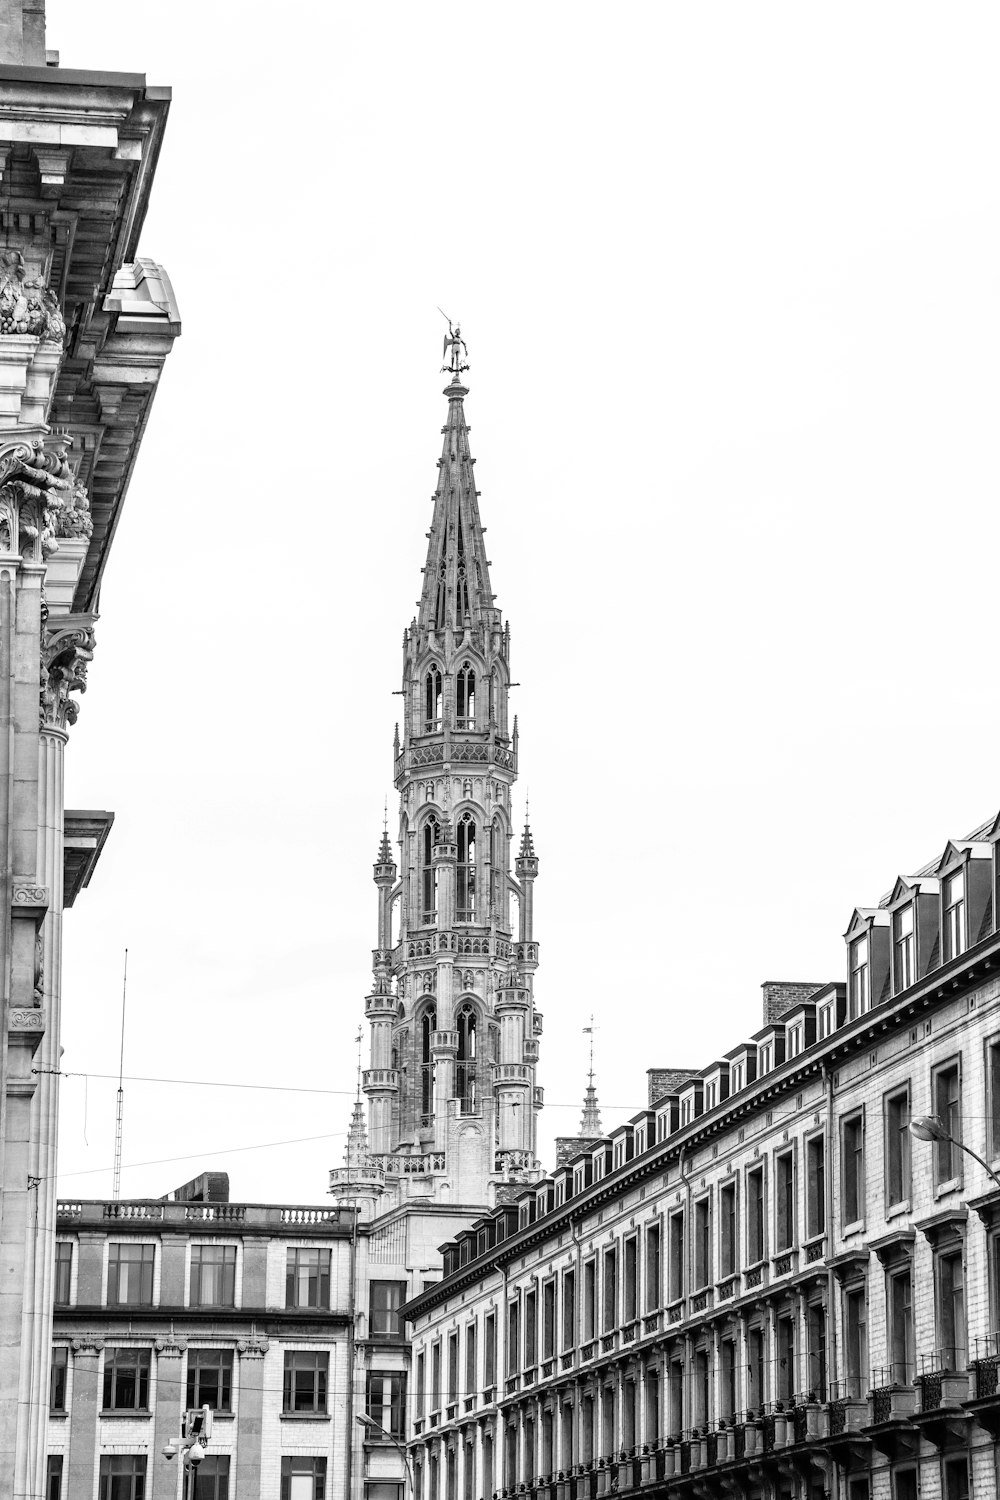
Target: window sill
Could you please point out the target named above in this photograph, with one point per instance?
(304, 1416)
(858, 1227)
(953, 1185)
(903, 1207)
(126, 1416)
(53, 1415)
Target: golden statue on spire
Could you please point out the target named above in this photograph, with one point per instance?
(455, 348)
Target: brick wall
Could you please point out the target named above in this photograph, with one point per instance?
(782, 995)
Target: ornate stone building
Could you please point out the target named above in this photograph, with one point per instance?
(85, 326)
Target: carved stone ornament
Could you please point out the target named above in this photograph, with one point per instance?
(66, 654)
(25, 1018)
(253, 1347)
(89, 1344)
(26, 894)
(26, 304)
(74, 519)
(36, 486)
(170, 1347)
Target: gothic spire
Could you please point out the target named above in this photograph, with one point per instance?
(590, 1124)
(456, 589)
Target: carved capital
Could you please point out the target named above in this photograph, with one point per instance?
(87, 1345)
(67, 651)
(36, 485)
(26, 304)
(170, 1347)
(253, 1347)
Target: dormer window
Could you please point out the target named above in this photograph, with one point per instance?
(687, 1111)
(795, 1040)
(902, 947)
(465, 697)
(954, 915)
(598, 1168)
(737, 1077)
(860, 989)
(640, 1140)
(824, 1021)
(432, 700)
(711, 1091)
(765, 1057)
(662, 1127)
(579, 1179)
(619, 1153)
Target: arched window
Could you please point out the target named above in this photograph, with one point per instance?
(466, 894)
(428, 874)
(432, 700)
(496, 868)
(465, 699)
(428, 1026)
(465, 1067)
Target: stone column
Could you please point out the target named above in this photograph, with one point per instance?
(81, 1459)
(253, 1361)
(171, 1399)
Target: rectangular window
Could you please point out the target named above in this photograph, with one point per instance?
(785, 1336)
(303, 1478)
(795, 1038)
(955, 1478)
(727, 1229)
(901, 1326)
(727, 1385)
(211, 1478)
(993, 1075)
(589, 1299)
(513, 1337)
(653, 1266)
(816, 1334)
(64, 1272)
(824, 1021)
(853, 1164)
(569, 1310)
(130, 1275)
(947, 1107)
(548, 1319)
(755, 1215)
(860, 994)
(784, 1201)
(436, 1392)
(126, 1380)
(471, 1371)
(305, 1381)
(856, 1341)
(210, 1379)
(950, 1288)
(610, 1289)
(756, 1367)
(702, 1245)
(530, 1329)
(675, 1263)
(122, 1476)
(815, 1187)
(630, 1291)
(307, 1278)
(384, 1400)
(58, 1373)
(421, 1401)
(490, 1351)
(53, 1477)
(954, 915)
(385, 1300)
(213, 1275)
(453, 1367)
(737, 1077)
(897, 1147)
(902, 949)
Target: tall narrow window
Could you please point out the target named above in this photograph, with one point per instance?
(816, 1332)
(471, 1383)
(569, 1310)
(860, 992)
(727, 1384)
(465, 1062)
(548, 1319)
(58, 1372)
(513, 1337)
(589, 1299)
(853, 1161)
(64, 1271)
(816, 1186)
(951, 1310)
(784, 1193)
(702, 1245)
(727, 1229)
(630, 1310)
(675, 1263)
(897, 1148)
(432, 700)
(530, 1330)
(901, 1325)
(490, 1351)
(947, 1153)
(902, 948)
(466, 889)
(428, 874)
(755, 1215)
(452, 1368)
(756, 1367)
(653, 1266)
(785, 1336)
(610, 1298)
(993, 1076)
(954, 915)
(428, 1026)
(856, 1340)
(465, 697)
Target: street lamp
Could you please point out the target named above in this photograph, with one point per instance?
(373, 1426)
(932, 1128)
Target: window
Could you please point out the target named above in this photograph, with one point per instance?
(702, 1245)
(630, 1291)
(897, 1148)
(453, 1368)
(993, 1075)
(950, 1288)
(727, 1229)
(610, 1298)
(53, 1477)
(210, 1379)
(421, 1401)
(756, 1367)
(213, 1275)
(385, 1300)
(465, 900)
(58, 1374)
(901, 1325)
(755, 1215)
(385, 1402)
(569, 1310)
(432, 700)
(211, 1477)
(303, 1478)
(130, 1275)
(465, 697)
(513, 1337)
(64, 1272)
(785, 1337)
(853, 1164)
(126, 1380)
(815, 1186)
(737, 1077)
(955, 1478)
(675, 1262)
(711, 1095)
(122, 1477)
(305, 1381)
(436, 1392)
(902, 948)
(764, 1056)
(727, 1385)
(784, 1201)
(307, 1278)
(947, 1154)
(471, 1372)
(860, 995)
(548, 1319)
(816, 1335)
(795, 1040)
(490, 1351)
(653, 1266)
(954, 915)
(652, 1393)
(465, 1060)
(589, 1299)
(856, 1340)
(428, 874)
(428, 1026)
(824, 1021)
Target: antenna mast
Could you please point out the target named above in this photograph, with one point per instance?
(116, 1181)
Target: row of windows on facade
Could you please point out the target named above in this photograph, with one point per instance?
(125, 1476)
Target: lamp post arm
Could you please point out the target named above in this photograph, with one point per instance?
(975, 1157)
(398, 1447)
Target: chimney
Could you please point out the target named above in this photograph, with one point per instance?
(666, 1081)
(783, 995)
(22, 33)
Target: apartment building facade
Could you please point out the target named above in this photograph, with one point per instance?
(764, 1285)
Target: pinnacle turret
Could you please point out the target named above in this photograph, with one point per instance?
(590, 1123)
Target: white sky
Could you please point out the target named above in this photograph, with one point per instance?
(728, 275)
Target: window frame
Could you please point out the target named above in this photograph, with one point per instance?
(112, 1465)
(226, 1267)
(146, 1261)
(123, 1357)
(376, 1406)
(896, 1148)
(853, 1119)
(303, 1361)
(948, 1155)
(395, 1331)
(292, 1463)
(206, 1357)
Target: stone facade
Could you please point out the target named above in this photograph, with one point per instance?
(764, 1285)
(84, 330)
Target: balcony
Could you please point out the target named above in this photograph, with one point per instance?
(984, 1406)
(380, 1080)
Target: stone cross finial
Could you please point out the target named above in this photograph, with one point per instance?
(22, 33)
